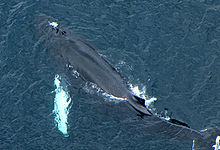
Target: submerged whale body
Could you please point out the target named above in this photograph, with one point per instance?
(73, 53)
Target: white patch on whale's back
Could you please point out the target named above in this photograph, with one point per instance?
(53, 24)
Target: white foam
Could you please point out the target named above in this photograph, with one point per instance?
(136, 91)
(62, 106)
(114, 98)
(142, 94)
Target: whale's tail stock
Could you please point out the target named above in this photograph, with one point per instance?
(208, 141)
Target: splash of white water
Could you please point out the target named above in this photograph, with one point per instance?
(135, 91)
(142, 94)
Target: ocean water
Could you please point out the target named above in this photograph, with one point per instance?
(170, 49)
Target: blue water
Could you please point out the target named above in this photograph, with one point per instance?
(170, 47)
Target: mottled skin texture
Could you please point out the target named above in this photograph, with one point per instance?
(73, 53)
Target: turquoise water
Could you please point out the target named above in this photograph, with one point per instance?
(171, 48)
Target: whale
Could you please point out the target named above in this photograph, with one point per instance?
(74, 54)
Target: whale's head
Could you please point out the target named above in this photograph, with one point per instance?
(52, 37)
(46, 25)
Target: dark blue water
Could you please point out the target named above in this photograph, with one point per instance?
(170, 47)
